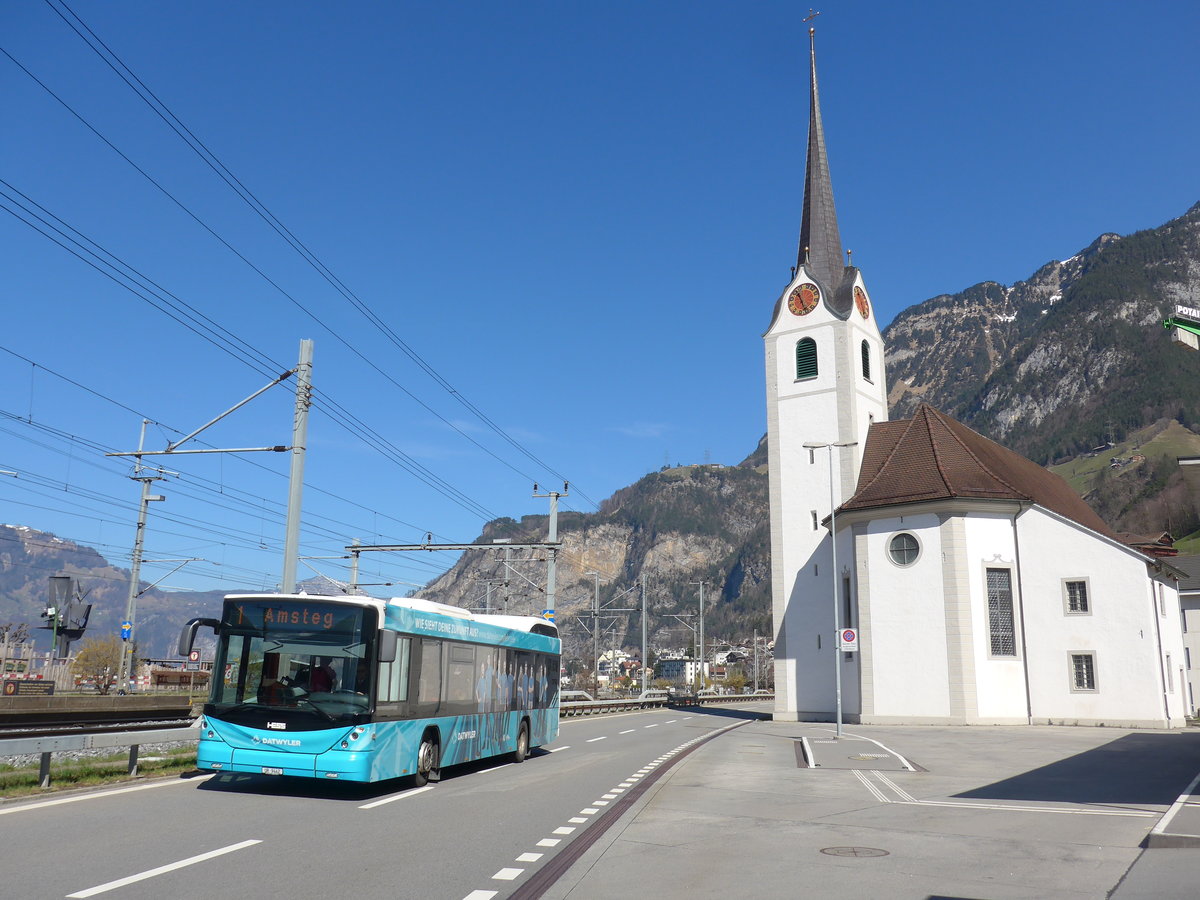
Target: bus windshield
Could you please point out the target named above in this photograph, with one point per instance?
(305, 655)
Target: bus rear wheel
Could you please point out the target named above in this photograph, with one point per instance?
(427, 760)
(522, 750)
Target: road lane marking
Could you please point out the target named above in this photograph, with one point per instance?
(61, 800)
(903, 794)
(599, 803)
(577, 820)
(1184, 799)
(549, 842)
(162, 870)
(627, 731)
(908, 799)
(589, 811)
(556, 749)
(655, 725)
(400, 796)
(876, 792)
(563, 829)
(530, 857)
(593, 740)
(481, 895)
(904, 762)
(508, 874)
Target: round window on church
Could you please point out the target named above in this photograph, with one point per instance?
(904, 549)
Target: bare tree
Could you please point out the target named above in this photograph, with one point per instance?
(98, 661)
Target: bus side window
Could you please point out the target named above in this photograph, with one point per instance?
(460, 680)
(429, 685)
(393, 676)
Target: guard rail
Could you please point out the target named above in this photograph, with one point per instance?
(45, 747)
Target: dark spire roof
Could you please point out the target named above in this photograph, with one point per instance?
(818, 225)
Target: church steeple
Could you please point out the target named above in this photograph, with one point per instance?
(820, 243)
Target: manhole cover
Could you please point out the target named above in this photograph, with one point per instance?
(853, 851)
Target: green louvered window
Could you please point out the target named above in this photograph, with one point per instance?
(806, 358)
(866, 360)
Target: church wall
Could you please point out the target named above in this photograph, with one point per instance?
(800, 411)
(990, 542)
(1125, 630)
(906, 673)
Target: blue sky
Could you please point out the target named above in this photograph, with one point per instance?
(579, 216)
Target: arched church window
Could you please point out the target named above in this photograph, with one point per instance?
(806, 358)
(904, 549)
(866, 360)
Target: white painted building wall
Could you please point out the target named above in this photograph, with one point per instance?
(904, 630)
(1130, 632)
(999, 680)
(837, 405)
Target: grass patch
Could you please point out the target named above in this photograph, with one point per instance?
(22, 781)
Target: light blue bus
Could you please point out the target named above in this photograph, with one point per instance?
(360, 689)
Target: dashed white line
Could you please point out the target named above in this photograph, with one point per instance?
(162, 870)
(481, 895)
(556, 749)
(590, 811)
(593, 740)
(577, 820)
(549, 842)
(627, 731)
(530, 857)
(655, 725)
(508, 874)
(563, 829)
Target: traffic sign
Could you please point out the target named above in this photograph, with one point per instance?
(548, 615)
(194, 656)
(848, 639)
(126, 630)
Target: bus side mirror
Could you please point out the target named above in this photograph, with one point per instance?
(188, 636)
(387, 646)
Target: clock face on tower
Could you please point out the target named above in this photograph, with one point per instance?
(861, 301)
(803, 298)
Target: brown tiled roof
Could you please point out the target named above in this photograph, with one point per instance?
(933, 457)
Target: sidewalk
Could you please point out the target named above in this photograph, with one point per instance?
(774, 809)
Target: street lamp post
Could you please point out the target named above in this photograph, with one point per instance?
(837, 619)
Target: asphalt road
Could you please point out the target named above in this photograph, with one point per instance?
(486, 827)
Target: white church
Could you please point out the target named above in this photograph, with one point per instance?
(980, 589)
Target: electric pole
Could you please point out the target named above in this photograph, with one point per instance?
(552, 538)
(644, 659)
(291, 543)
(125, 669)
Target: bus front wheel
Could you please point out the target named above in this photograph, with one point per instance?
(522, 750)
(427, 760)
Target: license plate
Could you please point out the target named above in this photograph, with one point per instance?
(271, 770)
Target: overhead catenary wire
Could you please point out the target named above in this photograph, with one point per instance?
(205, 154)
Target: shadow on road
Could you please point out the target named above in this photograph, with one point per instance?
(1133, 769)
